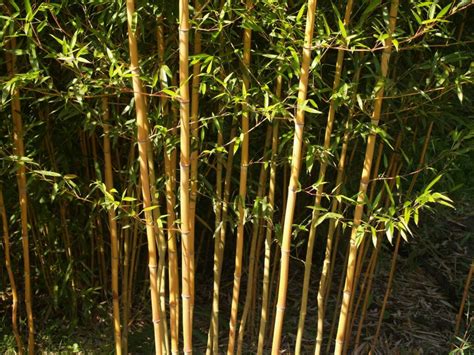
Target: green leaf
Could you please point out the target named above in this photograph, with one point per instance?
(342, 28)
(47, 173)
(150, 208)
(389, 229)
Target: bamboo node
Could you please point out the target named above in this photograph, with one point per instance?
(134, 69)
(281, 308)
(186, 297)
(156, 321)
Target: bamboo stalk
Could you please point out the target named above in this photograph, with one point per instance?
(194, 152)
(161, 243)
(392, 171)
(339, 295)
(221, 208)
(465, 293)
(218, 226)
(186, 241)
(109, 184)
(129, 255)
(22, 192)
(144, 177)
(330, 254)
(269, 228)
(95, 233)
(275, 276)
(170, 186)
(219, 248)
(125, 283)
(317, 204)
(11, 277)
(369, 277)
(349, 282)
(365, 245)
(295, 170)
(253, 247)
(242, 185)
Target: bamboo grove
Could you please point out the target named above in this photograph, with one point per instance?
(227, 174)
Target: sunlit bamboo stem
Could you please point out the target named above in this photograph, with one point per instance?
(170, 186)
(269, 227)
(349, 282)
(295, 171)
(186, 247)
(317, 204)
(142, 138)
(242, 186)
(194, 126)
(330, 254)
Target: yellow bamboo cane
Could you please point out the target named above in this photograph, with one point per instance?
(253, 247)
(319, 196)
(220, 243)
(109, 184)
(142, 127)
(242, 187)
(170, 185)
(349, 282)
(269, 228)
(22, 192)
(186, 247)
(194, 151)
(295, 171)
(329, 254)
